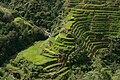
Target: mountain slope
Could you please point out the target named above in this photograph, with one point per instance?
(84, 45)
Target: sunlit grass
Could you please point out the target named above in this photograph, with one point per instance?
(33, 54)
(69, 24)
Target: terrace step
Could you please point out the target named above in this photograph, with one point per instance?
(49, 55)
(62, 75)
(52, 66)
(50, 51)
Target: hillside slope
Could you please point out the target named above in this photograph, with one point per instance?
(84, 45)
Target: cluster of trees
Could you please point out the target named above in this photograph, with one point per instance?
(41, 12)
(17, 36)
(26, 70)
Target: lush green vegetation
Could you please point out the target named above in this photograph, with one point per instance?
(83, 42)
(40, 12)
(18, 36)
(23, 22)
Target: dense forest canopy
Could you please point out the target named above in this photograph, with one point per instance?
(59, 40)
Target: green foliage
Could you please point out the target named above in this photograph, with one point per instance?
(21, 69)
(5, 14)
(83, 46)
(16, 36)
(41, 12)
